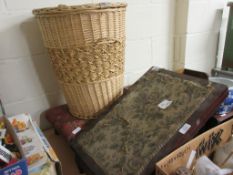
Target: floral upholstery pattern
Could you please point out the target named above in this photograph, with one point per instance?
(126, 139)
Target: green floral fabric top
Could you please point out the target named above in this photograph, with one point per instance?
(126, 139)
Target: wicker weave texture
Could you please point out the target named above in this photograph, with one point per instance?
(96, 62)
(87, 100)
(70, 30)
(86, 45)
(75, 9)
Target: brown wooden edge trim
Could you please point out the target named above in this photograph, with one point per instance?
(201, 114)
(218, 90)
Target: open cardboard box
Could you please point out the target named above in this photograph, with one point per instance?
(53, 159)
(52, 164)
(20, 167)
(35, 146)
(204, 144)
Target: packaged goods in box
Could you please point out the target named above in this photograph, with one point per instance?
(29, 141)
(12, 159)
(39, 154)
(204, 144)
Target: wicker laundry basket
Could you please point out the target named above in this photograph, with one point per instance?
(86, 45)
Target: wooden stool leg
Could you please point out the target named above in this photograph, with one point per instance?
(79, 165)
(56, 132)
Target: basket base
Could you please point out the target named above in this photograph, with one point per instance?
(85, 101)
(93, 116)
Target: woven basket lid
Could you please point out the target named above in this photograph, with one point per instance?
(61, 9)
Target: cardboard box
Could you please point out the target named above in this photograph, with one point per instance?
(52, 164)
(20, 167)
(204, 144)
(53, 161)
(36, 149)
